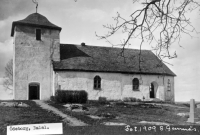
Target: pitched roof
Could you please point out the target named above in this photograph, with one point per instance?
(109, 59)
(35, 19)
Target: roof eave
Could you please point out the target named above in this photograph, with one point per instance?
(124, 72)
(29, 24)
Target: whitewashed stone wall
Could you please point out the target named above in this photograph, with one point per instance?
(32, 60)
(113, 85)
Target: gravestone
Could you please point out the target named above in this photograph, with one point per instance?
(192, 107)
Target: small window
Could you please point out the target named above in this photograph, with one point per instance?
(97, 82)
(135, 84)
(38, 34)
(169, 85)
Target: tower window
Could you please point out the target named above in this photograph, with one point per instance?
(38, 34)
(135, 84)
(97, 82)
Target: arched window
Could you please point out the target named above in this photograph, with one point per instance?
(97, 82)
(135, 84)
(168, 85)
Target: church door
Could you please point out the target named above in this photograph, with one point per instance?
(34, 91)
(152, 94)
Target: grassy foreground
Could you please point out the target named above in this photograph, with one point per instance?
(129, 113)
(25, 115)
(132, 113)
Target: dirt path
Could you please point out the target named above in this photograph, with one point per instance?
(66, 118)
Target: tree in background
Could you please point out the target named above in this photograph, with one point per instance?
(160, 22)
(8, 78)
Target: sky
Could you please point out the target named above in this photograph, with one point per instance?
(80, 20)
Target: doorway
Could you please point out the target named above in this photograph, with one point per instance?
(34, 91)
(152, 91)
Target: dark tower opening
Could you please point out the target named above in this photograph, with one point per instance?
(38, 34)
(152, 91)
(34, 91)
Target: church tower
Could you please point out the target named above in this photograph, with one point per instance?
(36, 46)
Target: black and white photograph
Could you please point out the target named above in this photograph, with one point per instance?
(99, 67)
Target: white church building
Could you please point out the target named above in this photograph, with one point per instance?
(42, 65)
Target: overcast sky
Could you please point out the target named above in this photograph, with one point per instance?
(80, 20)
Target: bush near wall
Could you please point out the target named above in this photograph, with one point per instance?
(69, 96)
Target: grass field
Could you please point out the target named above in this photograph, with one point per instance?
(25, 115)
(130, 114)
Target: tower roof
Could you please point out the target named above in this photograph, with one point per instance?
(35, 19)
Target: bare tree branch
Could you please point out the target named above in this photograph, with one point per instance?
(161, 22)
(8, 78)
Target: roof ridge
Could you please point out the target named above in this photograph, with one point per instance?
(106, 47)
